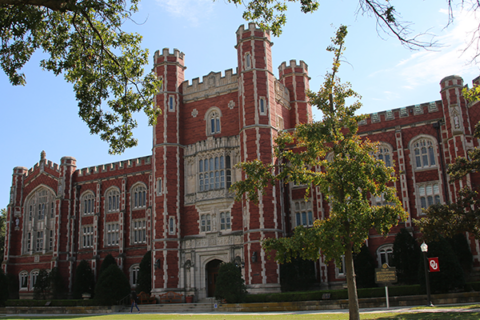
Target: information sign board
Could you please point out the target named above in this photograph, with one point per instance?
(385, 274)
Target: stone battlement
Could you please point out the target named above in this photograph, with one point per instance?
(48, 164)
(137, 162)
(293, 64)
(212, 84)
(166, 53)
(404, 112)
(251, 27)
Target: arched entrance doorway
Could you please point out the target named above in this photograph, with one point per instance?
(211, 271)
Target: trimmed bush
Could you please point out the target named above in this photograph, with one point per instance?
(230, 284)
(84, 280)
(364, 268)
(12, 281)
(298, 275)
(3, 288)
(42, 285)
(450, 276)
(406, 257)
(107, 262)
(378, 292)
(53, 303)
(57, 288)
(145, 274)
(112, 286)
(462, 250)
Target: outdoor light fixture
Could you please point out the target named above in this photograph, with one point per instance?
(254, 256)
(158, 264)
(424, 248)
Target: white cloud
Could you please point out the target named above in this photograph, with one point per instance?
(193, 11)
(426, 67)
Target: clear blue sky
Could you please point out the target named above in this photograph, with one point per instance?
(43, 115)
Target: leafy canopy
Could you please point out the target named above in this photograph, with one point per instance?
(84, 42)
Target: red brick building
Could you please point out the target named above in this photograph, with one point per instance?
(176, 201)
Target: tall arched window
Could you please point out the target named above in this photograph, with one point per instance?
(212, 118)
(385, 255)
(424, 153)
(33, 278)
(139, 196)
(39, 210)
(112, 200)
(23, 278)
(134, 270)
(88, 203)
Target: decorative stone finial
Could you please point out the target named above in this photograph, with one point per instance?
(43, 155)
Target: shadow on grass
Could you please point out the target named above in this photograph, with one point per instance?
(427, 315)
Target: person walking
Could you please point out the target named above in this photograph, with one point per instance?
(134, 299)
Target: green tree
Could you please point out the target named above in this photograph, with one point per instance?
(57, 287)
(450, 276)
(297, 275)
(84, 281)
(107, 262)
(364, 268)
(85, 42)
(230, 284)
(145, 274)
(112, 286)
(3, 229)
(347, 181)
(3, 288)
(12, 280)
(406, 257)
(42, 286)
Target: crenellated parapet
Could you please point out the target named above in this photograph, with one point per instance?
(211, 85)
(452, 81)
(293, 68)
(165, 56)
(252, 32)
(120, 165)
(405, 112)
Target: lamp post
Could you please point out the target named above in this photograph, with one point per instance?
(424, 248)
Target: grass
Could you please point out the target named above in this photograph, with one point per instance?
(464, 315)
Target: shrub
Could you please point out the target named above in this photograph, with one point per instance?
(42, 285)
(57, 288)
(3, 288)
(406, 257)
(12, 281)
(84, 280)
(298, 275)
(107, 262)
(112, 286)
(462, 250)
(450, 276)
(145, 274)
(364, 268)
(230, 284)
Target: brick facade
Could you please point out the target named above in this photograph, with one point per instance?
(176, 201)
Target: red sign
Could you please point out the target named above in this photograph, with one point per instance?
(433, 264)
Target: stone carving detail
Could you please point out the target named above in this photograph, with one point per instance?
(214, 240)
(231, 105)
(194, 113)
(282, 95)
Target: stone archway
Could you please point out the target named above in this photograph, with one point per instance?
(211, 271)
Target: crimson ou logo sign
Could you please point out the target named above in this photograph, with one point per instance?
(433, 264)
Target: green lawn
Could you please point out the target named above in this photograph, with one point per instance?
(343, 316)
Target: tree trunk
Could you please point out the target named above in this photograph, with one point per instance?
(351, 284)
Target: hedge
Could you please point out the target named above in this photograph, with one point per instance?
(377, 292)
(53, 303)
